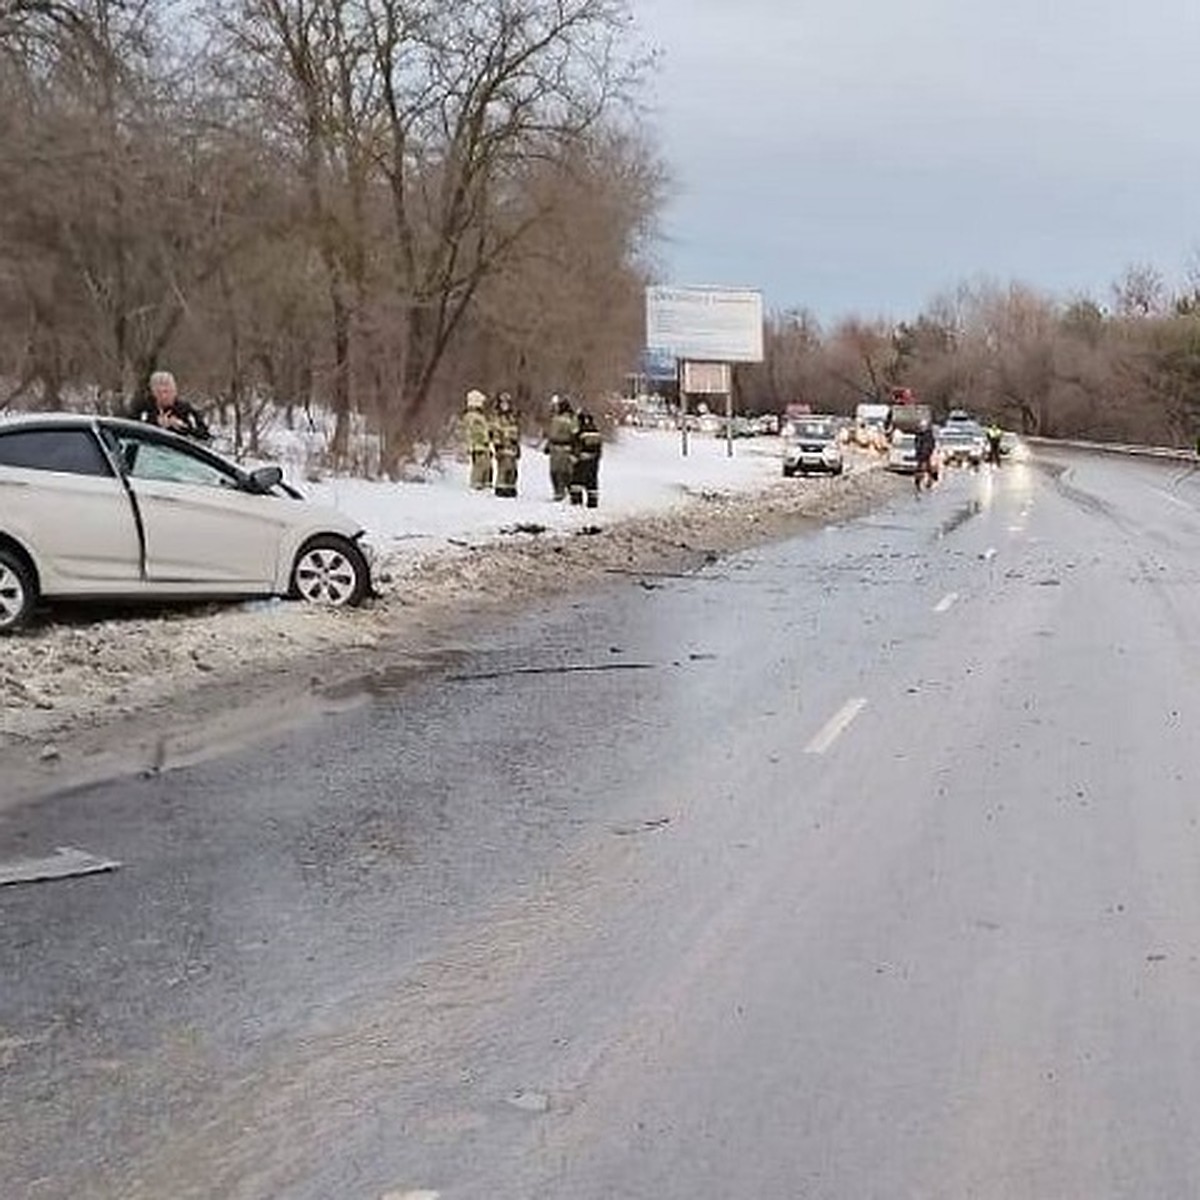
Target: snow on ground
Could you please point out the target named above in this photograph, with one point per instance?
(79, 675)
(642, 472)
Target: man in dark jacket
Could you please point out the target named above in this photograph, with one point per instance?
(585, 475)
(164, 408)
(925, 444)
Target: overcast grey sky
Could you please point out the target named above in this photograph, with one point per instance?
(864, 155)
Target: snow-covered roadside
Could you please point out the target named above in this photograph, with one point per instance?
(643, 472)
(445, 552)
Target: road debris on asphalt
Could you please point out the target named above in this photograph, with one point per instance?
(565, 669)
(530, 1102)
(65, 863)
(649, 826)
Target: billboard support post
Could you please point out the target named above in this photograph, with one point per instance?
(683, 429)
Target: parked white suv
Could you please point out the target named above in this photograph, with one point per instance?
(95, 507)
(813, 445)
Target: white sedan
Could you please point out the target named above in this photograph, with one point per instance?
(96, 507)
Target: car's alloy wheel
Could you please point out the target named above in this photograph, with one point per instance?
(17, 592)
(330, 571)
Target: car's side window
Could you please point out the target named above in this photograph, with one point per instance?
(146, 459)
(67, 451)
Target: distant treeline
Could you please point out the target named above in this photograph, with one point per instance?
(1129, 370)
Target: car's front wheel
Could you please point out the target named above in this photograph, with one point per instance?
(18, 591)
(331, 570)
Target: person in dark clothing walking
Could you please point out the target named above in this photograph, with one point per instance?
(163, 407)
(585, 475)
(925, 443)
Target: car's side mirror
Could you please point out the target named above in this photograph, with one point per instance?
(264, 479)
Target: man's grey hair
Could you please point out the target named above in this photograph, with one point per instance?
(161, 377)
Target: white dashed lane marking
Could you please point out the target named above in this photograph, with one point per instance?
(946, 603)
(836, 726)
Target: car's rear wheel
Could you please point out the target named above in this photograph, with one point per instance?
(331, 570)
(18, 591)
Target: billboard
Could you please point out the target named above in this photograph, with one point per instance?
(707, 379)
(705, 324)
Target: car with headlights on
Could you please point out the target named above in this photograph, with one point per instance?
(98, 508)
(962, 443)
(814, 445)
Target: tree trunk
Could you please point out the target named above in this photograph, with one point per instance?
(339, 449)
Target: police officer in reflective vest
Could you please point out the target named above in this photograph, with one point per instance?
(995, 436)
(585, 478)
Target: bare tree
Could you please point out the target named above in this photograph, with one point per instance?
(861, 358)
(793, 371)
(445, 107)
(119, 196)
(1140, 291)
(564, 310)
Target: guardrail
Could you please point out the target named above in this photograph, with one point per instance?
(1168, 453)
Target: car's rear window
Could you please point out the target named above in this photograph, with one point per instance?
(69, 451)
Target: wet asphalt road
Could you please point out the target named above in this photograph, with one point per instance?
(865, 865)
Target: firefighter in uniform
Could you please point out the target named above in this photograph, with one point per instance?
(560, 446)
(585, 479)
(506, 446)
(479, 442)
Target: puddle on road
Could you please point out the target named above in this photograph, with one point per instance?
(343, 694)
(290, 707)
(129, 753)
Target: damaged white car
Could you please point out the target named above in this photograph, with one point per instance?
(102, 508)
